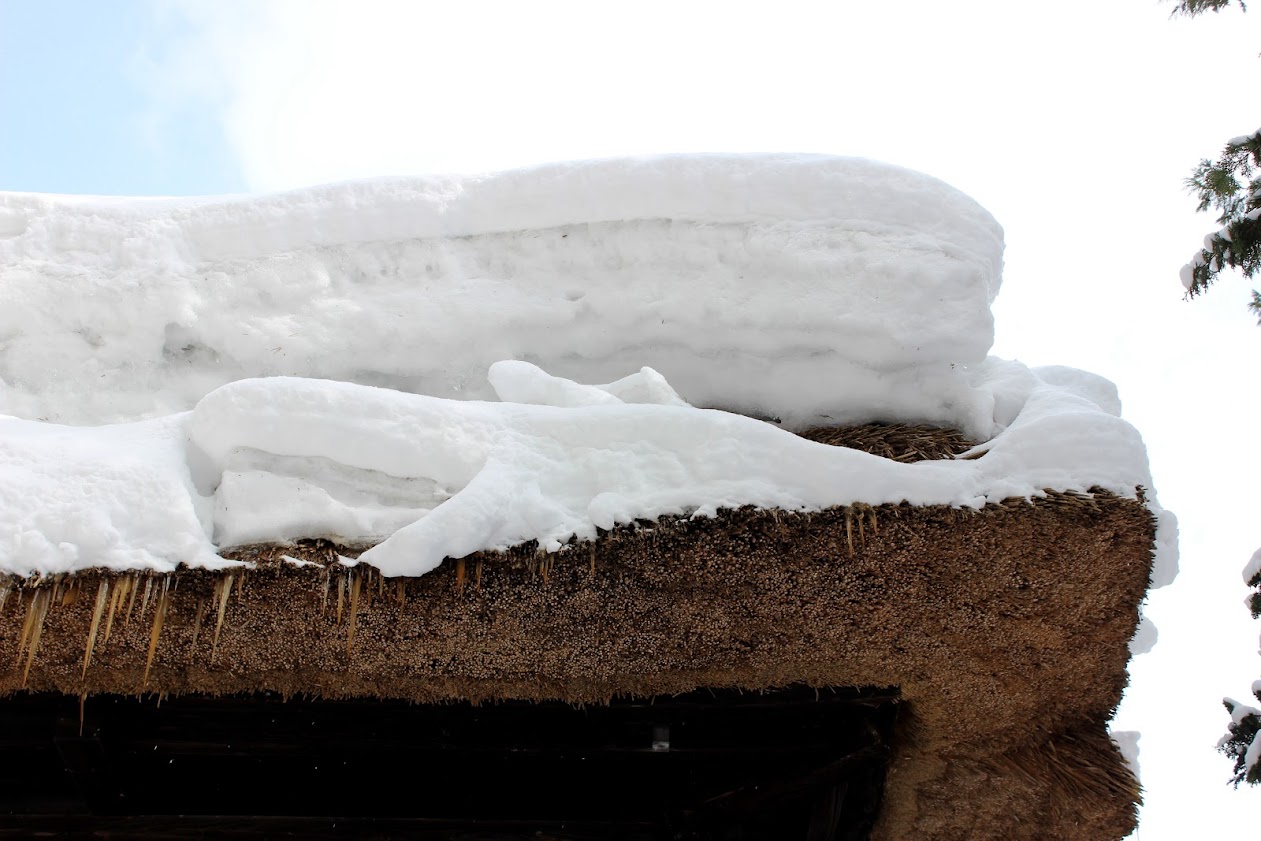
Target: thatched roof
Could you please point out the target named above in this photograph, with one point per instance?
(1005, 630)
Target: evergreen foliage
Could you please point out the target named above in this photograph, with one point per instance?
(1195, 7)
(1232, 186)
(1242, 741)
(1244, 727)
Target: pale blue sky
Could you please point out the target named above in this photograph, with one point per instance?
(76, 112)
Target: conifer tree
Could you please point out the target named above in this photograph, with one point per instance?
(1242, 741)
(1230, 185)
(1194, 7)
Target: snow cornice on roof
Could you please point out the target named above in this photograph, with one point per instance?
(531, 435)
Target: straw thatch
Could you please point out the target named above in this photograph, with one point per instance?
(1005, 630)
(897, 441)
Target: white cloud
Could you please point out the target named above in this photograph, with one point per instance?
(320, 90)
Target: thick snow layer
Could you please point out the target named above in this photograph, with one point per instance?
(521, 382)
(111, 496)
(426, 478)
(805, 288)
(234, 345)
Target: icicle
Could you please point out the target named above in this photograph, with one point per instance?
(120, 590)
(72, 593)
(849, 531)
(39, 606)
(400, 590)
(459, 575)
(328, 582)
(148, 593)
(356, 582)
(198, 618)
(240, 587)
(4, 595)
(102, 596)
(477, 575)
(222, 591)
(27, 622)
(341, 597)
(135, 588)
(159, 619)
(591, 571)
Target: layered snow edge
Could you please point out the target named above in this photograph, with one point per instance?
(423, 478)
(407, 362)
(831, 289)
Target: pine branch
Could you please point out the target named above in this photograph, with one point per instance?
(1242, 741)
(1244, 730)
(1191, 8)
(1232, 186)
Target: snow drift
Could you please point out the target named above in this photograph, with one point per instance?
(799, 287)
(236, 345)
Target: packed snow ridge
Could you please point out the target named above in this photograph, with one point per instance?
(793, 272)
(409, 363)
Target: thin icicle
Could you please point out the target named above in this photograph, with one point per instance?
(223, 590)
(39, 606)
(102, 596)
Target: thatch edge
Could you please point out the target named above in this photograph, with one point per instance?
(928, 767)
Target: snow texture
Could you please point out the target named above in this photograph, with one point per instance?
(1145, 636)
(109, 496)
(475, 475)
(190, 375)
(1127, 742)
(1253, 567)
(1238, 712)
(425, 478)
(801, 287)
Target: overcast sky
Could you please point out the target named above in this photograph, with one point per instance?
(1074, 123)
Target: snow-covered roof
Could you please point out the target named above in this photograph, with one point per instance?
(188, 374)
(788, 269)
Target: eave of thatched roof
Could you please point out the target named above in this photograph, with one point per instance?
(1004, 628)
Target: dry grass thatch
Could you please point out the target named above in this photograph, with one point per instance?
(1005, 630)
(897, 441)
